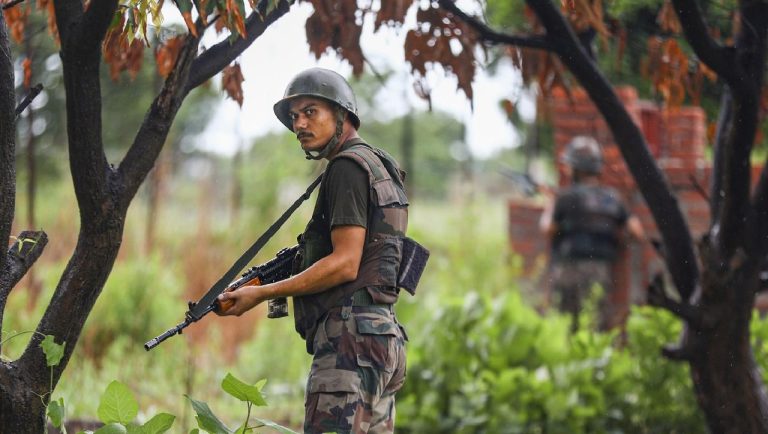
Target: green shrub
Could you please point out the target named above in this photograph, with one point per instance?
(140, 299)
(491, 364)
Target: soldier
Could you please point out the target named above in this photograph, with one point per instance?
(344, 286)
(584, 224)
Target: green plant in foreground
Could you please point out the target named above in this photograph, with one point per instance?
(118, 406)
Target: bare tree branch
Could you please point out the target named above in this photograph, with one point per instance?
(23, 253)
(493, 37)
(96, 21)
(657, 296)
(154, 130)
(68, 14)
(7, 137)
(749, 63)
(33, 92)
(214, 59)
(81, 62)
(724, 124)
(760, 206)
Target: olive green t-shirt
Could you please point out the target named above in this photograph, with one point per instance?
(346, 194)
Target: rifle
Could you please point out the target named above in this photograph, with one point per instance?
(274, 270)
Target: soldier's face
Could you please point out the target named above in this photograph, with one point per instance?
(314, 122)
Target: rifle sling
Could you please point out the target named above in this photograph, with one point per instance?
(202, 307)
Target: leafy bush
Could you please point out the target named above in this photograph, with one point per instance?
(483, 364)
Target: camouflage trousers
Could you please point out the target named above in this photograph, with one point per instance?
(358, 365)
(572, 282)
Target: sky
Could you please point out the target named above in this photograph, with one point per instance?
(281, 52)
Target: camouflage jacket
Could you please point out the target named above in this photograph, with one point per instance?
(387, 221)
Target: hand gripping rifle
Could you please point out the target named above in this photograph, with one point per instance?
(266, 273)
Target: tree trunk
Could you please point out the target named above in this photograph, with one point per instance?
(728, 383)
(21, 409)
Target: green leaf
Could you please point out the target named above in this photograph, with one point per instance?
(206, 420)
(275, 426)
(56, 412)
(112, 428)
(159, 424)
(53, 351)
(117, 404)
(242, 391)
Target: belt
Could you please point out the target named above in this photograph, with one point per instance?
(362, 298)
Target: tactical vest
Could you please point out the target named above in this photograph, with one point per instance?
(387, 223)
(588, 219)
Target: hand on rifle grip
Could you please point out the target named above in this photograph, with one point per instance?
(223, 305)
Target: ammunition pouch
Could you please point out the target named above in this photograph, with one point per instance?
(412, 265)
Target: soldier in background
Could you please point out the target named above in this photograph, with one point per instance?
(585, 224)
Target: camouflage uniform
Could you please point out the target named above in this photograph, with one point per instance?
(351, 329)
(585, 247)
(358, 366)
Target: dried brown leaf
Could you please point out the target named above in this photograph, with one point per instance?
(392, 12)
(166, 55)
(430, 43)
(16, 19)
(232, 82)
(27, 66)
(335, 25)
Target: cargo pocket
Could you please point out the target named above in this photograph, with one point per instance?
(332, 399)
(378, 338)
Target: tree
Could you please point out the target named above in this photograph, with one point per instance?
(103, 190)
(718, 276)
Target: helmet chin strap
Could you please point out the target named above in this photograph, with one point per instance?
(331, 145)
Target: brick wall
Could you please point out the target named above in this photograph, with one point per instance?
(676, 138)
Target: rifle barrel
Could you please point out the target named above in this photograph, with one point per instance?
(152, 343)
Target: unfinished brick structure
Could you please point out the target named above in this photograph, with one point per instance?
(676, 138)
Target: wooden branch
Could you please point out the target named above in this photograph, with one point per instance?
(81, 62)
(96, 22)
(68, 14)
(153, 132)
(214, 59)
(493, 37)
(679, 353)
(33, 92)
(657, 296)
(736, 174)
(7, 136)
(760, 207)
(718, 58)
(724, 124)
(23, 253)
(651, 181)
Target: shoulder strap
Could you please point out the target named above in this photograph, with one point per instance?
(203, 306)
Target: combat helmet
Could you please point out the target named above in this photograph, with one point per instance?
(583, 153)
(319, 83)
